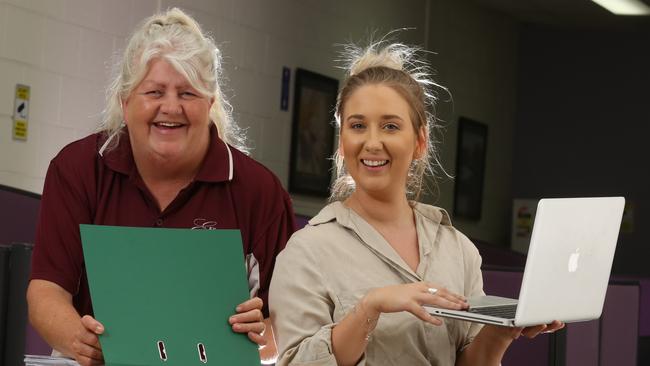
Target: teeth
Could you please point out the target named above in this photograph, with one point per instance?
(374, 162)
(168, 124)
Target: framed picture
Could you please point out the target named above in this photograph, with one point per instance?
(312, 136)
(470, 168)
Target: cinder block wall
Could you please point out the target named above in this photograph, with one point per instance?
(63, 50)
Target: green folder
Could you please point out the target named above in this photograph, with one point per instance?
(165, 295)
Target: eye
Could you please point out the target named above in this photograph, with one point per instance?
(356, 125)
(392, 126)
(153, 93)
(188, 95)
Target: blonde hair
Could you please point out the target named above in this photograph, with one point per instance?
(397, 66)
(176, 38)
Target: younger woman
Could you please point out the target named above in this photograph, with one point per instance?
(349, 288)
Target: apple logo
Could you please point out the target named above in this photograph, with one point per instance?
(573, 260)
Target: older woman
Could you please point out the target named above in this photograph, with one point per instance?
(168, 155)
(349, 288)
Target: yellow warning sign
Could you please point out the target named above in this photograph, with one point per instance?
(21, 112)
(20, 130)
(22, 92)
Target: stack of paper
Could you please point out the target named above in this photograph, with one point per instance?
(37, 360)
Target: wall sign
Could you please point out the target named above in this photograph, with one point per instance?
(21, 112)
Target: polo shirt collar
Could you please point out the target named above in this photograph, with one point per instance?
(327, 214)
(429, 219)
(337, 211)
(217, 165)
(371, 238)
(120, 157)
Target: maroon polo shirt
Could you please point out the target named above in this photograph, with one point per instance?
(230, 191)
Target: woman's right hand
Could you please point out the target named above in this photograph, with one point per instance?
(85, 345)
(410, 297)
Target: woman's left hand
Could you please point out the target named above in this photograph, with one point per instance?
(532, 332)
(529, 332)
(491, 343)
(250, 320)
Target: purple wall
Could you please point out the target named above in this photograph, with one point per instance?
(522, 351)
(610, 340)
(18, 215)
(583, 124)
(583, 344)
(619, 326)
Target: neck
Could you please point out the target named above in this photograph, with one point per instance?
(166, 180)
(393, 209)
(168, 174)
(159, 169)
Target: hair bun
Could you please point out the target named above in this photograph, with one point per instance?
(394, 55)
(391, 56)
(381, 53)
(172, 17)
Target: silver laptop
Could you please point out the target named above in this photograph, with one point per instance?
(567, 268)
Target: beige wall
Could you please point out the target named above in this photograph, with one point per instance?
(63, 50)
(477, 60)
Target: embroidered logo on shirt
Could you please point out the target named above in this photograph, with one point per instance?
(204, 224)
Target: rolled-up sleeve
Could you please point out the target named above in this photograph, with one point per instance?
(301, 307)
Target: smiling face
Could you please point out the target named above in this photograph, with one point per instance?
(167, 118)
(378, 140)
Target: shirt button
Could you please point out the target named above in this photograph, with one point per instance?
(159, 222)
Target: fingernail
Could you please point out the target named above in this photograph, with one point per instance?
(99, 329)
(231, 319)
(238, 308)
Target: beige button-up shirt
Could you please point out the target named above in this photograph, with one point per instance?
(328, 266)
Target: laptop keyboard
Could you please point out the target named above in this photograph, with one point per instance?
(501, 311)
